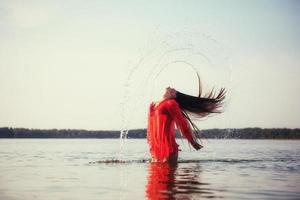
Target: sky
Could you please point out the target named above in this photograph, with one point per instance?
(83, 64)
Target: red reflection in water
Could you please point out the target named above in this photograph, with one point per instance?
(160, 180)
(168, 181)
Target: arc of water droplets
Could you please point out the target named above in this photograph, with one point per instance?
(154, 73)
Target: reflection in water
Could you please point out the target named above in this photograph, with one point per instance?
(167, 181)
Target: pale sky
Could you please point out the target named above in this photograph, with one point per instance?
(65, 64)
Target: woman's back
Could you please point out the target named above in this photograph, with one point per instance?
(161, 129)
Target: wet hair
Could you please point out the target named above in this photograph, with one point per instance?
(200, 106)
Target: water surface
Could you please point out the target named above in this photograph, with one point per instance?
(78, 169)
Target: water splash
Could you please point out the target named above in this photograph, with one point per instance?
(205, 160)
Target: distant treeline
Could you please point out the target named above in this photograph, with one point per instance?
(243, 133)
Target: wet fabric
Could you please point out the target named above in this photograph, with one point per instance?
(161, 128)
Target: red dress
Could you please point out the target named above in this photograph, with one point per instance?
(161, 129)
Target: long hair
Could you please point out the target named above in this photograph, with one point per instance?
(200, 106)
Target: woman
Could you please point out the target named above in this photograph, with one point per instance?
(175, 108)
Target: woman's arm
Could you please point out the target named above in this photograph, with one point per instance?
(196, 145)
(182, 123)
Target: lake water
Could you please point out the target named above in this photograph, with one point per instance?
(76, 169)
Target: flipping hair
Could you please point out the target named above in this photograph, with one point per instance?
(200, 106)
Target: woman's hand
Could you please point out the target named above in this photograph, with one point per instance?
(196, 145)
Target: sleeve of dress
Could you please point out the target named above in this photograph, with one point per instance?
(180, 120)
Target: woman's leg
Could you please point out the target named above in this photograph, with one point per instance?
(173, 158)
